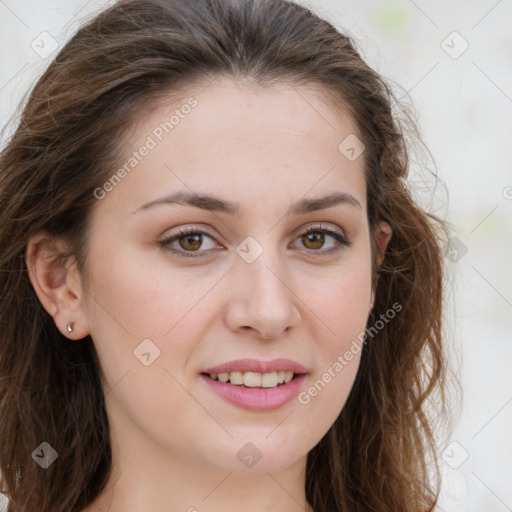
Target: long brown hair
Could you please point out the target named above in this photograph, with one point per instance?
(379, 455)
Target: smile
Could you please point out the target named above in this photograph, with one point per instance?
(254, 397)
(254, 379)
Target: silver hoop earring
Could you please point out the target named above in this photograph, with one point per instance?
(70, 326)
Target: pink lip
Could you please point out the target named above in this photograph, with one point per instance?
(256, 399)
(256, 365)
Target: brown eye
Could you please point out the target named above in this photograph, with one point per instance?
(191, 241)
(322, 240)
(313, 240)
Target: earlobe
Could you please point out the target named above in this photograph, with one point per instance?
(57, 284)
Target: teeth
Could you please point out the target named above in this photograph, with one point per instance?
(236, 378)
(269, 380)
(254, 379)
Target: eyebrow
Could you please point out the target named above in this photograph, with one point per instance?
(215, 204)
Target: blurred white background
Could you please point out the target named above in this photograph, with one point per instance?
(454, 59)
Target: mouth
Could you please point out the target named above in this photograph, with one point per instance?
(249, 379)
(255, 384)
(256, 391)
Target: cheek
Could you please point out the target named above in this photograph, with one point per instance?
(342, 306)
(145, 320)
(341, 301)
(144, 298)
(344, 303)
(132, 300)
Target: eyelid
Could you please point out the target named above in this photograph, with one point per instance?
(322, 227)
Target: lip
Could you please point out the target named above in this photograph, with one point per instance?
(256, 399)
(257, 365)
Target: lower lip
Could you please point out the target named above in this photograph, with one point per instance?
(257, 399)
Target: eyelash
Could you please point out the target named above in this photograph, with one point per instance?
(343, 242)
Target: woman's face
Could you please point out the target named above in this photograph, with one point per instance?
(268, 277)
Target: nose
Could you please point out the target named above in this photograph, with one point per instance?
(262, 298)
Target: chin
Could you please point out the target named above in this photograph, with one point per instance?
(257, 453)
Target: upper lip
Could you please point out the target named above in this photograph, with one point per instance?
(258, 366)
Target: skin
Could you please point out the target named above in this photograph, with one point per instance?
(174, 441)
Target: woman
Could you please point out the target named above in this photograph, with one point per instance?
(217, 288)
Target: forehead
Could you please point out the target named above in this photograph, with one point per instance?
(229, 138)
(260, 112)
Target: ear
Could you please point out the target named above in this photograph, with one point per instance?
(57, 283)
(382, 235)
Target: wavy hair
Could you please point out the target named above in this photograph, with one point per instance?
(380, 454)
